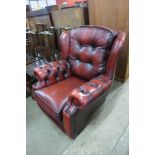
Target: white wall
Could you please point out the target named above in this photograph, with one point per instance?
(42, 4)
(27, 2)
(51, 2)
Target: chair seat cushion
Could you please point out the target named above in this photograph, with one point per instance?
(55, 96)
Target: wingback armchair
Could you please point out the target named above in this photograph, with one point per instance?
(69, 90)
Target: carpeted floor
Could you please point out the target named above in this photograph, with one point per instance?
(43, 137)
(106, 134)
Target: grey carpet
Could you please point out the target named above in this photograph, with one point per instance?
(43, 137)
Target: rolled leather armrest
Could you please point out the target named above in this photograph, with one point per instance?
(83, 95)
(51, 73)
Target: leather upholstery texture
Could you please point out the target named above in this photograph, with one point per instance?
(87, 92)
(56, 96)
(69, 90)
(51, 73)
(88, 50)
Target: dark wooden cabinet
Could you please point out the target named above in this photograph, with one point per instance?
(51, 16)
(70, 17)
(42, 16)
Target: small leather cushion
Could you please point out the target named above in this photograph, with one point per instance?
(89, 50)
(56, 95)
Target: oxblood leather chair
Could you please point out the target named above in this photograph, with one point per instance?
(69, 90)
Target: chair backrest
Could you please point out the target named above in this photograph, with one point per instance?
(87, 49)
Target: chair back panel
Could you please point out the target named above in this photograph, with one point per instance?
(89, 48)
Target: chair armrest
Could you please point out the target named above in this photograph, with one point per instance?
(89, 91)
(50, 73)
(82, 102)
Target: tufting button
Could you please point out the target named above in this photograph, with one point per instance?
(82, 91)
(93, 84)
(48, 71)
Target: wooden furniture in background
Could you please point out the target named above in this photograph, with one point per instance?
(31, 46)
(70, 17)
(46, 45)
(40, 27)
(114, 14)
(61, 20)
(39, 16)
(42, 16)
(28, 8)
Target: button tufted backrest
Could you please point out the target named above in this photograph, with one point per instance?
(87, 49)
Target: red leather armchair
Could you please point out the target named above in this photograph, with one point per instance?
(69, 90)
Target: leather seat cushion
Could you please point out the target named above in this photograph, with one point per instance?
(56, 96)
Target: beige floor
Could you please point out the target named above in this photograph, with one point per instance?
(106, 134)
